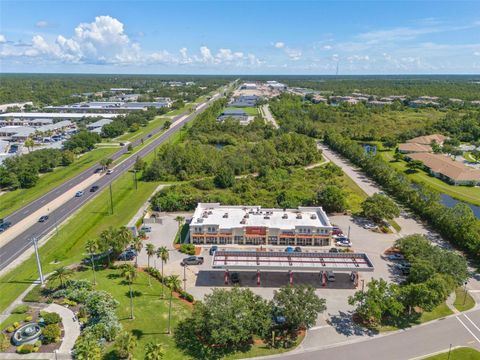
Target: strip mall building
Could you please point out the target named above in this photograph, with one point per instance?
(213, 223)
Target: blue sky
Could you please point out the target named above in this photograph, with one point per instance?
(233, 37)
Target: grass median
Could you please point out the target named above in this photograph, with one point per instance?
(462, 353)
(14, 200)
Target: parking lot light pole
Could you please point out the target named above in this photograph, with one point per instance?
(464, 293)
(39, 265)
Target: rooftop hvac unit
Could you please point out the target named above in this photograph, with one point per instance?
(243, 221)
(205, 215)
(210, 212)
(285, 216)
(200, 220)
(246, 216)
(225, 216)
(313, 216)
(266, 217)
(299, 216)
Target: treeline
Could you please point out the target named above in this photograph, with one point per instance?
(324, 186)
(212, 147)
(458, 224)
(82, 142)
(23, 171)
(130, 122)
(354, 121)
(464, 126)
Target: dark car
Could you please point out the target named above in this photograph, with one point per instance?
(298, 249)
(192, 260)
(98, 170)
(122, 144)
(333, 250)
(235, 278)
(126, 256)
(94, 188)
(4, 225)
(43, 218)
(213, 249)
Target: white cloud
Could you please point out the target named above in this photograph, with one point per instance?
(293, 54)
(279, 45)
(476, 53)
(41, 24)
(2, 39)
(327, 47)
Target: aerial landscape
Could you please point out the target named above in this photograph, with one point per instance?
(222, 180)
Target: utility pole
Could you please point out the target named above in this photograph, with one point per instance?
(135, 179)
(111, 200)
(35, 245)
(449, 351)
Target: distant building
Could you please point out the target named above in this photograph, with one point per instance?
(213, 223)
(408, 148)
(428, 139)
(21, 105)
(29, 116)
(239, 115)
(97, 126)
(248, 86)
(114, 90)
(246, 101)
(275, 85)
(109, 107)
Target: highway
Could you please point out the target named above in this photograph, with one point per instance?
(15, 247)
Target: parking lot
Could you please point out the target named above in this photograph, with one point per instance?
(201, 279)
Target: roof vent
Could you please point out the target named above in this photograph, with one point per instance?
(313, 216)
(199, 220)
(285, 216)
(266, 217)
(243, 221)
(299, 216)
(246, 216)
(225, 216)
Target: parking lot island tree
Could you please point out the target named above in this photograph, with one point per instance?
(380, 207)
(163, 255)
(129, 273)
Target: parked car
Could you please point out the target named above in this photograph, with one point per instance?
(298, 249)
(4, 225)
(396, 257)
(146, 228)
(94, 188)
(341, 238)
(330, 276)
(333, 250)
(369, 226)
(43, 218)
(192, 260)
(337, 231)
(235, 278)
(344, 243)
(109, 171)
(79, 194)
(289, 249)
(213, 249)
(127, 255)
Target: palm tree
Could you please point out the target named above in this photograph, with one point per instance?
(153, 351)
(129, 273)
(173, 282)
(106, 240)
(29, 143)
(180, 219)
(137, 245)
(92, 248)
(162, 253)
(125, 343)
(123, 238)
(150, 249)
(61, 274)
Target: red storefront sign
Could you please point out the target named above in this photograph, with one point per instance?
(256, 230)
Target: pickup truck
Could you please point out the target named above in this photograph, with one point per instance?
(192, 260)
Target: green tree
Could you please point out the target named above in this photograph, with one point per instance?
(299, 305)
(163, 254)
(62, 275)
(138, 246)
(92, 248)
(154, 351)
(224, 178)
(130, 148)
(150, 250)
(389, 142)
(414, 165)
(87, 347)
(29, 144)
(398, 156)
(332, 199)
(124, 345)
(129, 273)
(173, 282)
(378, 207)
(139, 164)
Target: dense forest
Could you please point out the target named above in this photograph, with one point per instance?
(60, 89)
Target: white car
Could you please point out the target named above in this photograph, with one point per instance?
(109, 171)
(344, 243)
(369, 226)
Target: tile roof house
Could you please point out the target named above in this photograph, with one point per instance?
(445, 168)
(408, 148)
(427, 139)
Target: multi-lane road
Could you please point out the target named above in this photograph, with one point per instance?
(16, 246)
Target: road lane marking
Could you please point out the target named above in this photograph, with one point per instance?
(476, 327)
(466, 327)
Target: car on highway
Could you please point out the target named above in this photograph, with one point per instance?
(235, 278)
(192, 260)
(79, 194)
(344, 243)
(98, 170)
(396, 256)
(109, 171)
(43, 218)
(213, 249)
(4, 225)
(94, 188)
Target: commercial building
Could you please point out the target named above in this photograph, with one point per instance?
(96, 126)
(245, 101)
(213, 223)
(447, 169)
(109, 107)
(240, 115)
(20, 105)
(29, 116)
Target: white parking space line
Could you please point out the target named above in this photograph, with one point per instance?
(466, 327)
(476, 327)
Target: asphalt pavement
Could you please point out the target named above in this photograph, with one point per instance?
(15, 247)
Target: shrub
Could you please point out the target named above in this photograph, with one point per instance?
(21, 309)
(188, 249)
(10, 329)
(28, 318)
(187, 296)
(51, 334)
(50, 318)
(26, 349)
(4, 342)
(69, 302)
(38, 343)
(16, 325)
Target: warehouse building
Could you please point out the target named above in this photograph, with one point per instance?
(29, 116)
(213, 223)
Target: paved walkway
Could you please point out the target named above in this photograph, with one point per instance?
(71, 327)
(268, 115)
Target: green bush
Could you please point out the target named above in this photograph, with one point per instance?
(21, 309)
(28, 318)
(16, 325)
(51, 334)
(50, 318)
(187, 296)
(4, 342)
(69, 302)
(188, 249)
(10, 329)
(26, 349)
(38, 343)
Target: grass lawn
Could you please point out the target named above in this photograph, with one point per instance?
(463, 303)
(355, 194)
(14, 200)
(11, 319)
(463, 193)
(87, 223)
(150, 310)
(468, 156)
(252, 111)
(152, 125)
(462, 353)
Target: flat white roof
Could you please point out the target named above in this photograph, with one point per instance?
(40, 115)
(276, 260)
(228, 217)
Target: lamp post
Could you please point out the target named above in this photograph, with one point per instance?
(39, 265)
(184, 278)
(464, 293)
